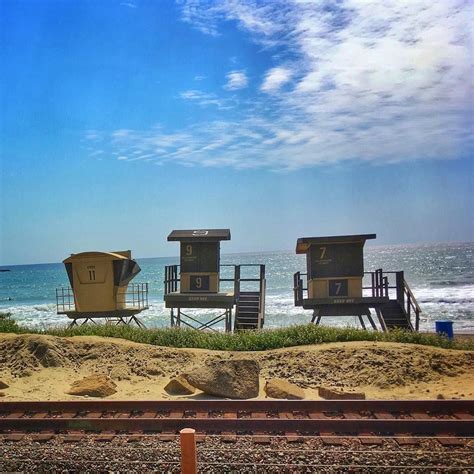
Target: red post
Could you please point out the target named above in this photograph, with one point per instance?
(188, 451)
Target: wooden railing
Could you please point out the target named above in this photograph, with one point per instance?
(380, 287)
(411, 305)
(135, 297)
(171, 279)
(299, 288)
(262, 288)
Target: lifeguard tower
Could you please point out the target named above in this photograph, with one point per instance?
(334, 284)
(100, 289)
(197, 282)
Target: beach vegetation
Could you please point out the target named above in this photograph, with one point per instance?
(240, 341)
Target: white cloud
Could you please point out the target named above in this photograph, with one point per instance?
(367, 80)
(236, 80)
(128, 4)
(363, 80)
(275, 79)
(199, 78)
(205, 99)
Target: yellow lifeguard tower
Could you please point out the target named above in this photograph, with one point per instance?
(100, 288)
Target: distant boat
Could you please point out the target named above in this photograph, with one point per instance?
(5, 270)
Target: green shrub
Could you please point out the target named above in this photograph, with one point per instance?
(9, 325)
(243, 340)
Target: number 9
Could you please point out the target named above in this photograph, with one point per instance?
(198, 282)
(189, 250)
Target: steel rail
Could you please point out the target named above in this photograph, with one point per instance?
(400, 406)
(433, 417)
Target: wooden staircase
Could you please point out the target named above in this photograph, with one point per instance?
(395, 313)
(247, 310)
(395, 316)
(250, 305)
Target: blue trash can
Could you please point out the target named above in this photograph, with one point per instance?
(445, 328)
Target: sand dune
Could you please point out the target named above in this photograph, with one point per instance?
(43, 367)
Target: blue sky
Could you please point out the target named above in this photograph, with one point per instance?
(121, 121)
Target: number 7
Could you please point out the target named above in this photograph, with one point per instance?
(323, 252)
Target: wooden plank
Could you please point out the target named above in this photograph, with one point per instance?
(167, 437)
(73, 437)
(421, 416)
(383, 415)
(261, 439)
(133, 438)
(15, 414)
(293, 437)
(105, 437)
(228, 437)
(14, 437)
(407, 441)
(148, 414)
(449, 441)
(42, 437)
(369, 439)
(331, 440)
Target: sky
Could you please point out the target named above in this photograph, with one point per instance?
(123, 120)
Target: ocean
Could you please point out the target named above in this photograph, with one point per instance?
(441, 277)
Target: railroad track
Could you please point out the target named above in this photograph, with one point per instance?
(437, 418)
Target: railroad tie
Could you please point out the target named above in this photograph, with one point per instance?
(407, 440)
(261, 438)
(167, 437)
(73, 437)
(331, 439)
(229, 437)
(367, 438)
(105, 437)
(13, 437)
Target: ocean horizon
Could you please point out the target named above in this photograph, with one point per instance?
(440, 275)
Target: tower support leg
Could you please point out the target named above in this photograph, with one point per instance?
(316, 316)
(371, 321)
(362, 321)
(228, 320)
(380, 318)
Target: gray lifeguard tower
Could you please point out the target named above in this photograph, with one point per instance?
(334, 284)
(197, 282)
(101, 290)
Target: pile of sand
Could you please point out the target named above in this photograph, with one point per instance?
(383, 365)
(44, 367)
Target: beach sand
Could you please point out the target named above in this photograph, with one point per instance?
(43, 367)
